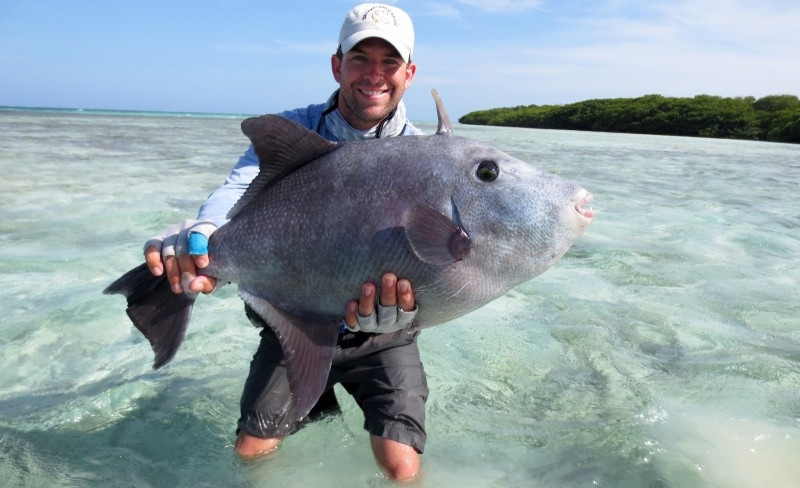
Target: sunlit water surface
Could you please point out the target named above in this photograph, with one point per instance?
(662, 351)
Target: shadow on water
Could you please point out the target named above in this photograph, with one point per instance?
(161, 430)
(156, 441)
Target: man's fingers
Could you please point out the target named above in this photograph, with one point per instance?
(361, 314)
(389, 290)
(350, 315)
(405, 296)
(188, 270)
(201, 261)
(182, 273)
(152, 256)
(173, 271)
(202, 284)
(366, 303)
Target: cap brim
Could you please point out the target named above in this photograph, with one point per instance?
(349, 42)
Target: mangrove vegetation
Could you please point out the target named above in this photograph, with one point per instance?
(772, 118)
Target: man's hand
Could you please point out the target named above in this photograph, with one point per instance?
(396, 308)
(180, 257)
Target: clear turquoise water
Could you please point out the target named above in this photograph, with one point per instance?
(662, 350)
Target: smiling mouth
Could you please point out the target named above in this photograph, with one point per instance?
(372, 92)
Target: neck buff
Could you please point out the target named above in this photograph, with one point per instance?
(391, 126)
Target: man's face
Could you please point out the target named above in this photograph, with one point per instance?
(372, 78)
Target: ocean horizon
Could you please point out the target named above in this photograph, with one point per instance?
(100, 111)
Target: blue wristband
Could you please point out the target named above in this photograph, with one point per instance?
(198, 244)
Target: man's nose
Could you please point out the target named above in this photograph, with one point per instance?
(375, 69)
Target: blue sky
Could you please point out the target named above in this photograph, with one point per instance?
(236, 56)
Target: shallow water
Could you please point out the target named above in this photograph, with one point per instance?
(662, 350)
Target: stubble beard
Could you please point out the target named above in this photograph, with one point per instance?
(365, 113)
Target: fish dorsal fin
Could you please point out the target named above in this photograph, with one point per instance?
(308, 348)
(282, 146)
(435, 238)
(444, 128)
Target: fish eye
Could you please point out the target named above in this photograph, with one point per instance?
(487, 171)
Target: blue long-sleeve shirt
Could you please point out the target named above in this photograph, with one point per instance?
(221, 200)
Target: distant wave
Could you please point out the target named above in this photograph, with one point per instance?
(92, 111)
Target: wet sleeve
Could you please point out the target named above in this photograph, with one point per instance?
(221, 200)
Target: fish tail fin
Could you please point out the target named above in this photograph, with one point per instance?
(162, 316)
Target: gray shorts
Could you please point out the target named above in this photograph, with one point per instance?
(382, 372)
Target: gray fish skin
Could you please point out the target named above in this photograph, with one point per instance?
(322, 218)
(329, 226)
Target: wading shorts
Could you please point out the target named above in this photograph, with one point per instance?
(382, 372)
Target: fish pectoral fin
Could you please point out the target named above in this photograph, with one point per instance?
(308, 347)
(434, 237)
(162, 316)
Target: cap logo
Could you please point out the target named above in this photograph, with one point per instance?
(380, 15)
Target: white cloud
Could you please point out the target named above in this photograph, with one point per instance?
(503, 5)
(684, 49)
(436, 9)
(715, 24)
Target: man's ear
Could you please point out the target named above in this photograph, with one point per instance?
(336, 68)
(411, 71)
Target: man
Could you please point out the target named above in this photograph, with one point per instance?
(382, 371)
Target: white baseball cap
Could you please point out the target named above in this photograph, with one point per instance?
(378, 20)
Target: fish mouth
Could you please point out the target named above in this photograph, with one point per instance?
(586, 212)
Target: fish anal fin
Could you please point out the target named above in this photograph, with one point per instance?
(434, 237)
(308, 348)
(162, 316)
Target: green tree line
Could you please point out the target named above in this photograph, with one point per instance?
(772, 118)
